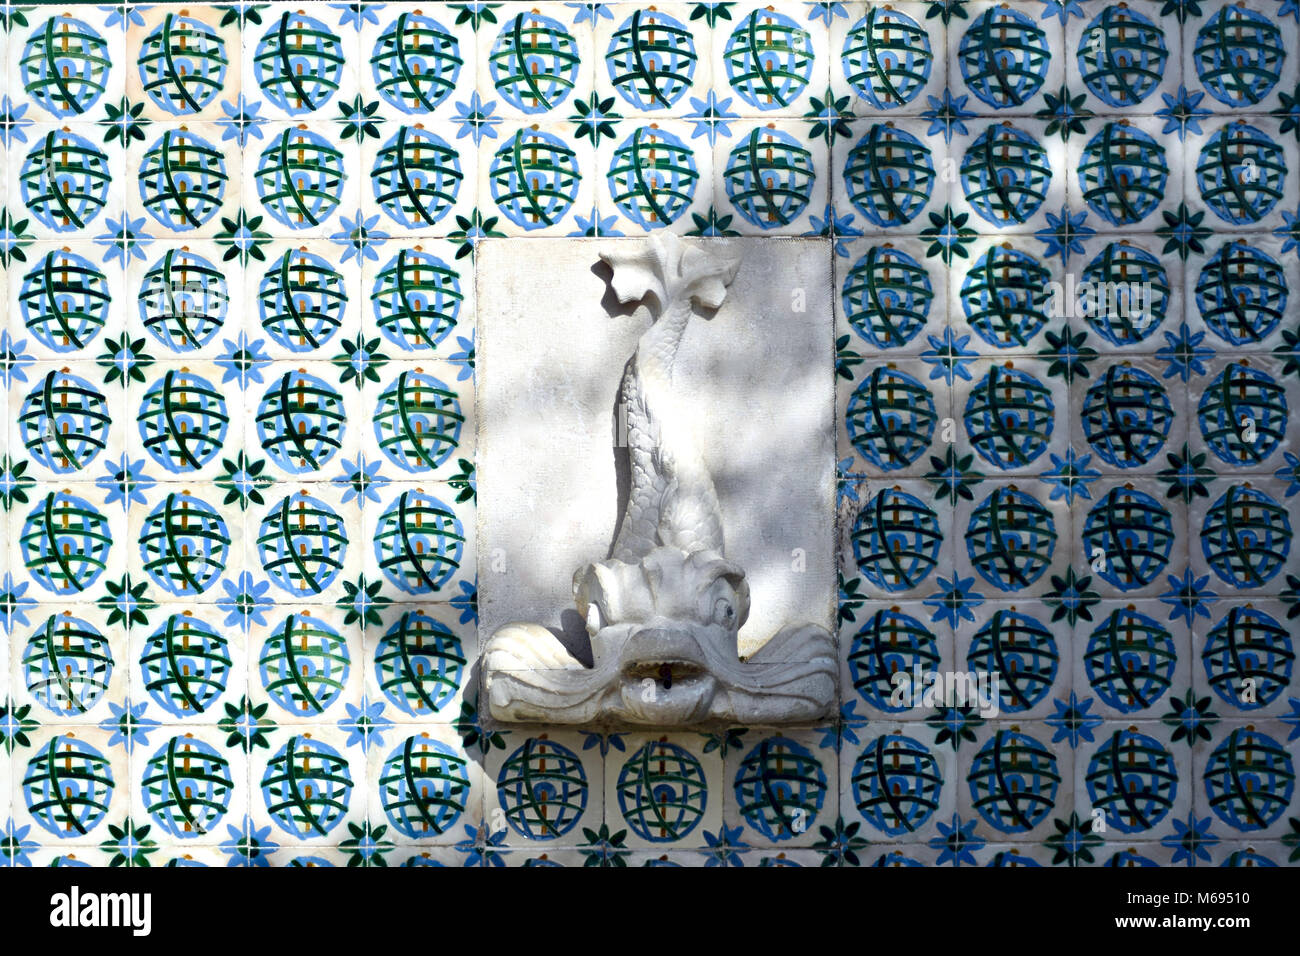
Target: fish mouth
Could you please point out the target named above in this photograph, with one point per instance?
(663, 676)
(666, 673)
(666, 657)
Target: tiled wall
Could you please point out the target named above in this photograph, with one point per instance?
(238, 261)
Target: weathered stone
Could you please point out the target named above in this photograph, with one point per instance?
(701, 447)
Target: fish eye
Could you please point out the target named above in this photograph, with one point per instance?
(723, 612)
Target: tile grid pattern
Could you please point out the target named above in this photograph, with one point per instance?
(238, 486)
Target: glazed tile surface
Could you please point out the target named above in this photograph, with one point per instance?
(238, 258)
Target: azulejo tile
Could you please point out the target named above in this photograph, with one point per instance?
(570, 796)
(665, 791)
(239, 250)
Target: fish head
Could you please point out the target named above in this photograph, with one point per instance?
(664, 622)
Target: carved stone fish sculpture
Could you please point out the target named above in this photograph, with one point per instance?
(663, 611)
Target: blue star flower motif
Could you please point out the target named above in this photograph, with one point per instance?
(128, 726)
(1188, 597)
(949, 356)
(1062, 9)
(1072, 720)
(365, 724)
(843, 730)
(590, 11)
(125, 239)
(357, 15)
(241, 121)
(1290, 473)
(14, 845)
(13, 603)
(1290, 231)
(243, 360)
(605, 742)
(467, 602)
(595, 226)
(465, 357)
(1293, 719)
(476, 119)
(124, 15)
(1070, 476)
(710, 117)
(955, 600)
(1064, 234)
(846, 483)
(1182, 113)
(359, 479)
(826, 10)
(1184, 354)
(946, 115)
(246, 602)
(125, 482)
(1190, 840)
(248, 846)
(13, 356)
(359, 237)
(483, 848)
(1289, 8)
(957, 842)
(831, 226)
(12, 122)
(725, 847)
